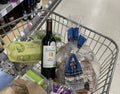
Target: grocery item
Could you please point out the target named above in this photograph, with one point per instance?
(73, 33)
(73, 66)
(74, 36)
(39, 35)
(86, 55)
(63, 53)
(32, 76)
(21, 86)
(1, 47)
(38, 5)
(8, 67)
(90, 68)
(73, 73)
(26, 52)
(83, 92)
(48, 52)
(60, 89)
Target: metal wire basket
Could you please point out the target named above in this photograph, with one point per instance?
(105, 49)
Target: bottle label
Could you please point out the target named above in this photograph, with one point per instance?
(49, 56)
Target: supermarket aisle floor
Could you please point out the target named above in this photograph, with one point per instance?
(102, 16)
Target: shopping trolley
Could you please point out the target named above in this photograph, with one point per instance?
(104, 48)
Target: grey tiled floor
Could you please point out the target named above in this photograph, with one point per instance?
(102, 16)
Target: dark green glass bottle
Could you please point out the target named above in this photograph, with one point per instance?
(48, 53)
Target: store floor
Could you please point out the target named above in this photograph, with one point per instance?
(102, 16)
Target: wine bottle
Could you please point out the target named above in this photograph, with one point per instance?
(2, 22)
(24, 10)
(27, 5)
(32, 8)
(35, 7)
(11, 17)
(39, 4)
(48, 53)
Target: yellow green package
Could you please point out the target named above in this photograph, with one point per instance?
(31, 75)
(27, 51)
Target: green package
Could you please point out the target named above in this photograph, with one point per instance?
(30, 75)
(26, 52)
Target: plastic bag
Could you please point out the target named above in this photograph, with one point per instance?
(23, 87)
(89, 63)
(61, 59)
(63, 53)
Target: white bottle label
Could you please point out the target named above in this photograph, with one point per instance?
(49, 56)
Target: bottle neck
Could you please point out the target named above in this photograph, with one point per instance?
(49, 27)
